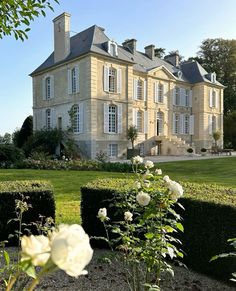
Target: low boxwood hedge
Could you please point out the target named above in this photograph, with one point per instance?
(209, 220)
(41, 199)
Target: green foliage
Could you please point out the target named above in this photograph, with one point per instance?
(208, 220)
(20, 137)
(15, 16)
(10, 155)
(6, 139)
(230, 130)
(132, 134)
(40, 197)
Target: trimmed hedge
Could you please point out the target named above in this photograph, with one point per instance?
(209, 220)
(41, 199)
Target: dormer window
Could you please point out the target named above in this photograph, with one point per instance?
(180, 74)
(213, 77)
(112, 48)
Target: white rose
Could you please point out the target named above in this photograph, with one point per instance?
(138, 185)
(128, 216)
(35, 248)
(147, 183)
(176, 190)
(102, 214)
(166, 179)
(143, 199)
(158, 172)
(71, 250)
(148, 164)
(137, 160)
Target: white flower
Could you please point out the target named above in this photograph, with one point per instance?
(148, 164)
(166, 179)
(137, 160)
(70, 249)
(138, 185)
(35, 248)
(128, 216)
(143, 198)
(158, 172)
(176, 190)
(102, 214)
(147, 183)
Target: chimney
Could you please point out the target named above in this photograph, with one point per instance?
(173, 58)
(61, 37)
(150, 51)
(130, 44)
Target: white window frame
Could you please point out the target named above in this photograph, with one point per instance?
(187, 97)
(140, 121)
(48, 118)
(75, 119)
(177, 96)
(112, 80)
(139, 89)
(112, 119)
(48, 88)
(186, 124)
(73, 81)
(160, 118)
(177, 121)
(113, 150)
(160, 93)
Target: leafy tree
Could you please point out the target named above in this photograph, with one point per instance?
(21, 136)
(159, 52)
(6, 139)
(219, 56)
(16, 15)
(132, 134)
(230, 130)
(216, 136)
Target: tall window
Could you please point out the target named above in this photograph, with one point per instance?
(187, 96)
(140, 121)
(113, 150)
(213, 124)
(73, 80)
(213, 98)
(139, 90)
(160, 122)
(177, 123)
(177, 96)
(48, 118)
(75, 118)
(160, 93)
(112, 119)
(48, 87)
(112, 80)
(186, 123)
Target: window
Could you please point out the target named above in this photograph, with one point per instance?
(187, 97)
(48, 118)
(48, 88)
(112, 80)
(113, 150)
(139, 90)
(160, 93)
(113, 49)
(213, 98)
(213, 124)
(177, 96)
(176, 123)
(186, 124)
(75, 118)
(140, 121)
(112, 119)
(73, 80)
(59, 123)
(213, 77)
(159, 123)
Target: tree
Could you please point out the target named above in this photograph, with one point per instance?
(21, 136)
(132, 134)
(230, 130)
(159, 52)
(6, 139)
(216, 136)
(16, 15)
(219, 56)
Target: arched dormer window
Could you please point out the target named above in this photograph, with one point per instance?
(112, 48)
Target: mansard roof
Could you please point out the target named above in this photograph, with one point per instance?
(93, 39)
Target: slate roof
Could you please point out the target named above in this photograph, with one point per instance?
(93, 39)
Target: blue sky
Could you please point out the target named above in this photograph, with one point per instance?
(171, 24)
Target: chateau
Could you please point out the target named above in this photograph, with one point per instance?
(109, 87)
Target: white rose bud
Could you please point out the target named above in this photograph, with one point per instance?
(148, 164)
(176, 190)
(35, 248)
(128, 216)
(147, 183)
(71, 250)
(158, 172)
(143, 199)
(102, 214)
(137, 160)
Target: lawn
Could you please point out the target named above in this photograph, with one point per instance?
(67, 183)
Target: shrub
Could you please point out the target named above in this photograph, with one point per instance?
(209, 220)
(190, 150)
(40, 198)
(203, 150)
(10, 155)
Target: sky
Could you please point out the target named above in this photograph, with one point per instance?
(171, 24)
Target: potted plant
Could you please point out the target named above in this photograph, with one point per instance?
(132, 134)
(216, 136)
(203, 151)
(190, 151)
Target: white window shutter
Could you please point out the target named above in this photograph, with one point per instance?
(106, 118)
(210, 124)
(216, 99)
(145, 90)
(81, 117)
(182, 96)
(51, 86)
(156, 92)
(119, 81)
(173, 124)
(116, 50)
(181, 123)
(77, 78)
(210, 98)
(165, 93)
(135, 117)
(145, 121)
(119, 118)
(191, 128)
(106, 78)
(190, 98)
(108, 47)
(174, 99)
(44, 88)
(135, 85)
(69, 81)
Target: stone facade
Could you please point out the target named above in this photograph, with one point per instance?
(111, 89)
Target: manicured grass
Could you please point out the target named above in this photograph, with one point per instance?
(67, 183)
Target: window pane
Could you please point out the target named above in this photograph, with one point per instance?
(113, 150)
(73, 80)
(112, 119)
(140, 121)
(177, 96)
(75, 121)
(112, 80)
(48, 118)
(160, 93)
(48, 88)
(139, 90)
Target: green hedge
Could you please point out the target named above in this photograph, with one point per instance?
(41, 199)
(209, 220)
